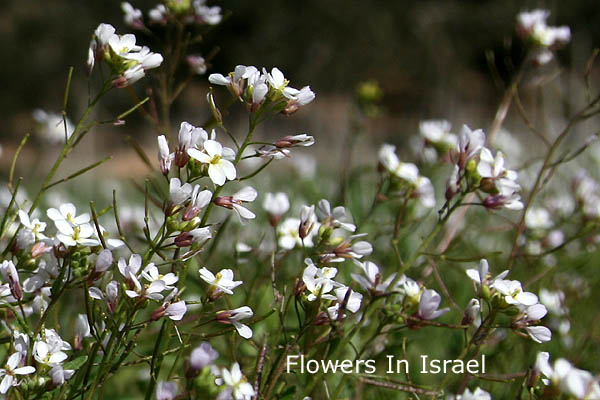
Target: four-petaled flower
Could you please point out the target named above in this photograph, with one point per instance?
(10, 370)
(219, 168)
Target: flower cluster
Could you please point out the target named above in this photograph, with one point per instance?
(260, 89)
(566, 378)
(477, 168)
(406, 180)
(187, 12)
(509, 297)
(531, 25)
(128, 62)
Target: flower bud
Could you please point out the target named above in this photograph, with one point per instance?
(299, 287)
(213, 108)
(159, 312)
(224, 201)
(485, 292)
(39, 248)
(181, 157)
(471, 312)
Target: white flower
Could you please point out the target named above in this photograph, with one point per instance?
(199, 200)
(234, 317)
(151, 274)
(288, 232)
(132, 16)
(509, 201)
(481, 276)
(532, 25)
(59, 375)
(191, 136)
(103, 33)
(299, 97)
(112, 294)
(123, 45)
(539, 334)
(219, 169)
(438, 132)
(223, 281)
(570, 380)
(82, 330)
(424, 192)
(203, 356)
(352, 304)
(205, 14)
(554, 301)
(234, 202)
(179, 193)
(412, 290)
(152, 291)
(278, 82)
(235, 80)
(387, 157)
(471, 312)
(52, 126)
(9, 272)
(492, 168)
(478, 394)
(166, 390)
(237, 383)
(46, 271)
(469, 145)
(538, 218)
(303, 140)
(71, 235)
(532, 315)
(165, 157)
(145, 58)
(158, 14)
(307, 221)
(176, 311)
(197, 64)
(130, 269)
(513, 292)
(373, 281)
(68, 212)
(333, 218)
(276, 204)
(319, 282)
(429, 304)
(47, 354)
(198, 235)
(10, 370)
(103, 262)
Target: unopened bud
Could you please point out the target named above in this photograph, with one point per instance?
(184, 239)
(40, 248)
(159, 313)
(181, 157)
(290, 108)
(299, 287)
(213, 108)
(322, 319)
(224, 201)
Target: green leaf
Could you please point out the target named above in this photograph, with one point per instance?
(76, 363)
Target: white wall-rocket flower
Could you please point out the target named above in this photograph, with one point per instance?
(219, 168)
(234, 317)
(513, 293)
(238, 386)
(10, 370)
(221, 282)
(234, 202)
